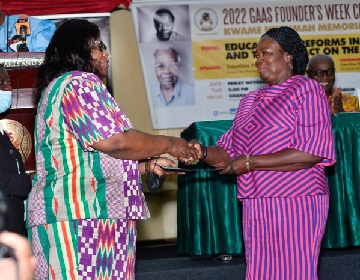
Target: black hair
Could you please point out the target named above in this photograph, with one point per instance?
(290, 41)
(69, 49)
(159, 12)
(205, 15)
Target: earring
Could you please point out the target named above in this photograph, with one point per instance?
(291, 65)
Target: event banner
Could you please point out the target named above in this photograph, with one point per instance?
(198, 57)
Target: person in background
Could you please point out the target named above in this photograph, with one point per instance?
(41, 31)
(87, 194)
(164, 25)
(278, 146)
(170, 90)
(15, 183)
(22, 265)
(321, 68)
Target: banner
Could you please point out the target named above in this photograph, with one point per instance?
(198, 57)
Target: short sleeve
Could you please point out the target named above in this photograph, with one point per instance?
(225, 141)
(313, 131)
(91, 113)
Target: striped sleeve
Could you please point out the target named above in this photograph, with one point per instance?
(225, 141)
(313, 131)
(90, 113)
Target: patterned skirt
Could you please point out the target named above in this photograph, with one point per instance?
(85, 249)
(282, 236)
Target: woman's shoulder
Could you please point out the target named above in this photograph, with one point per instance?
(304, 83)
(300, 79)
(88, 76)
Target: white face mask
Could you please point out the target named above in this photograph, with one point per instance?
(5, 100)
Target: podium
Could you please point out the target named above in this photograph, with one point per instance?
(18, 121)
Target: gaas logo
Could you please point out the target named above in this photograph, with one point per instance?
(206, 19)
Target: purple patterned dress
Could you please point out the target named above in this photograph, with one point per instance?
(82, 209)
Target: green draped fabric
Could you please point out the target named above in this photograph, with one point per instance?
(343, 226)
(209, 215)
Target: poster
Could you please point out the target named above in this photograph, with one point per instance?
(198, 57)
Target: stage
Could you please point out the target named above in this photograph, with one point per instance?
(161, 262)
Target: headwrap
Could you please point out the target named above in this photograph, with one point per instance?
(290, 41)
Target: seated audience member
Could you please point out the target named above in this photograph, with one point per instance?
(41, 31)
(321, 68)
(14, 182)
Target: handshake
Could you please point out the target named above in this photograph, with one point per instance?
(157, 168)
(195, 152)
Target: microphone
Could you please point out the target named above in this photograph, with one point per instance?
(23, 29)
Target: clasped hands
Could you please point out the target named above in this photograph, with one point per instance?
(193, 153)
(181, 150)
(190, 153)
(335, 101)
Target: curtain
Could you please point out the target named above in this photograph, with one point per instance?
(46, 7)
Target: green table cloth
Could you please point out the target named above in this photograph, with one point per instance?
(209, 215)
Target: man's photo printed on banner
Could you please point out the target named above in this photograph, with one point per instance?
(169, 70)
(160, 23)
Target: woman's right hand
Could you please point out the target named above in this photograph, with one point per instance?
(183, 151)
(195, 143)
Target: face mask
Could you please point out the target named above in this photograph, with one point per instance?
(5, 100)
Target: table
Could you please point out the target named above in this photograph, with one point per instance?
(209, 215)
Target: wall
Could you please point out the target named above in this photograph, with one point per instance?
(129, 93)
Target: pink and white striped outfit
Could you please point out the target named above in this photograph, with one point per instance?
(284, 213)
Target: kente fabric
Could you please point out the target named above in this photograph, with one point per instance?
(276, 118)
(93, 249)
(74, 181)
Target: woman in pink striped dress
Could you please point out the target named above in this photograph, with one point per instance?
(278, 146)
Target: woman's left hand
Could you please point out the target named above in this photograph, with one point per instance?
(237, 166)
(155, 168)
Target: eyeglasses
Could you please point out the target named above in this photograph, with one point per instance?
(320, 73)
(100, 45)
